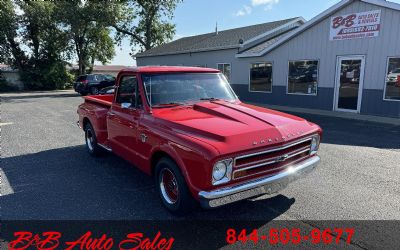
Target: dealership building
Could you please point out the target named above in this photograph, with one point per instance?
(346, 59)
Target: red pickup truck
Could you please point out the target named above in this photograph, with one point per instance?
(186, 127)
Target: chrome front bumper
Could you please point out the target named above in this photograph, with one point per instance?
(268, 185)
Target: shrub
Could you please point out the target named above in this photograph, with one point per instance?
(5, 86)
(47, 77)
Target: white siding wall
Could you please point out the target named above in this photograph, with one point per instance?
(315, 44)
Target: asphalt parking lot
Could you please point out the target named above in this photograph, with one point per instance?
(47, 174)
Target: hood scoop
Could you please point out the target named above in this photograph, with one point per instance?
(211, 109)
(243, 110)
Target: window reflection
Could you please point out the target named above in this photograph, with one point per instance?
(303, 77)
(393, 79)
(261, 77)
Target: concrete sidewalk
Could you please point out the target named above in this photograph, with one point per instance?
(345, 115)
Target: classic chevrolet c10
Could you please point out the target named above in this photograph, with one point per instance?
(186, 127)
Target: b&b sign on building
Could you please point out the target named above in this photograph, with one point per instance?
(357, 25)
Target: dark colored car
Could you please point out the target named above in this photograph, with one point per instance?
(92, 83)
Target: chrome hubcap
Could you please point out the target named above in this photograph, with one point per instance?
(169, 186)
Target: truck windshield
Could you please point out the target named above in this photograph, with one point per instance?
(185, 88)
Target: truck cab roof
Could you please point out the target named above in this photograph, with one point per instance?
(168, 69)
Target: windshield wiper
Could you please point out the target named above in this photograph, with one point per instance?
(167, 105)
(210, 99)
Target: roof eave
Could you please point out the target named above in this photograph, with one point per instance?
(386, 4)
(302, 28)
(300, 20)
(259, 37)
(191, 51)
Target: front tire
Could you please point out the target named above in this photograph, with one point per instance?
(91, 141)
(172, 188)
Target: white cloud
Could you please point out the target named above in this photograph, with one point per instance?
(264, 2)
(246, 10)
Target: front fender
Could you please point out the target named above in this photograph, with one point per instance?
(193, 164)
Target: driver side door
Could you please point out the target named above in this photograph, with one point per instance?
(122, 119)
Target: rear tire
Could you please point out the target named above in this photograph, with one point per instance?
(91, 141)
(172, 188)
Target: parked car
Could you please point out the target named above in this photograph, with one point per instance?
(92, 83)
(186, 127)
(393, 77)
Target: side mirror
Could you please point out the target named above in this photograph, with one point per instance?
(126, 105)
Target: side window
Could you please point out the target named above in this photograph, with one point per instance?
(126, 91)
(100, 78)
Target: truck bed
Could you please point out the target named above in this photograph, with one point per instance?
(95, 109)
(105, 100)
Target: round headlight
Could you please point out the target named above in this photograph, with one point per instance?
(314, 144)
(219, 171)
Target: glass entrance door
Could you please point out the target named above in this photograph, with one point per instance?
(349, 83)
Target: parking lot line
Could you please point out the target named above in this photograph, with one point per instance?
(5, 187)
(6, 123)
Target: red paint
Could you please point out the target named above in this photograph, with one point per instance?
(195, 136)
(87, 241)
(27, 240)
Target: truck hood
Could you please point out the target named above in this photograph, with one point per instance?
(233, 127)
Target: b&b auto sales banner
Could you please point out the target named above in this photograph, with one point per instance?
(357, 25)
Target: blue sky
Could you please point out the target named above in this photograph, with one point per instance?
(193, 17)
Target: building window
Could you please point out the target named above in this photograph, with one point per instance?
(261, 77)
(303, 77)
(392, 85)
(225, 68)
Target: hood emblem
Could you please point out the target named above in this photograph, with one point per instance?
(282, 158)
(283, 138)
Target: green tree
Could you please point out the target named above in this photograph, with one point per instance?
(41, 62)
(48, 46)
(84, 21)
(145, 22)
(9, 45)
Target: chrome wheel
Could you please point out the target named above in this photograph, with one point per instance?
(169, 186)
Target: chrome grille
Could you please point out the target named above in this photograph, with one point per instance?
(271, 161)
